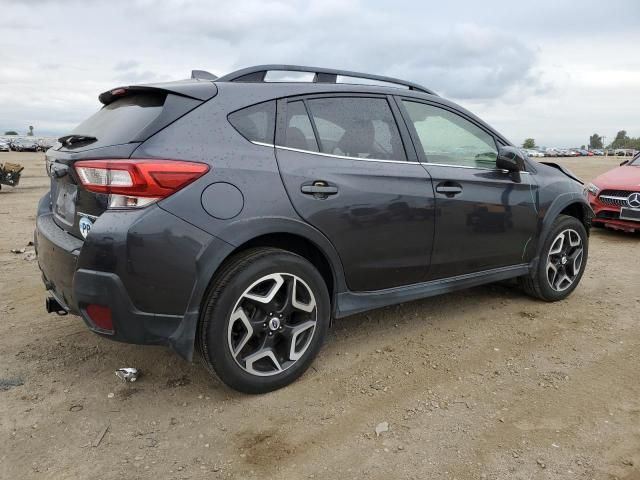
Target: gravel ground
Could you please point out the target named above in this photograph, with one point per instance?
(485, 383)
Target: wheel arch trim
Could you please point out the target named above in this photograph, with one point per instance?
(562, 203)
(213, 257)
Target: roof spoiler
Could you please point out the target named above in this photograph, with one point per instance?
(203, 75)
(185, 88)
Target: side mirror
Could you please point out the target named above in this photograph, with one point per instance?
(510, 159)
(624, 163)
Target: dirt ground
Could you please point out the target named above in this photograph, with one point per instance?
(485, 383)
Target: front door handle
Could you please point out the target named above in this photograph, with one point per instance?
(449, 188)
(319, 188)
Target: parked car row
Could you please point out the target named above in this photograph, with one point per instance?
(534, 153)
(622, 152)
(568, 152)
(580, 152)
(26, 144)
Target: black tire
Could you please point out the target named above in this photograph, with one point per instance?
(230, 287)
(537, 284)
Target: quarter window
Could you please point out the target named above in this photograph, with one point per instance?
(256, 123)
(356, 127)
(450, 139)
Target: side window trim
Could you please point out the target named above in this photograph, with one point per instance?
(422, 157)
(313, 124)
(281, 118)
(405, 135)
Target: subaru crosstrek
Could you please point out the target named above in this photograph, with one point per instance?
(239, 215)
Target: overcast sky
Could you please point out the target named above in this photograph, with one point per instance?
(555, 70)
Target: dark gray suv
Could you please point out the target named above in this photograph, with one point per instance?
(242, 214)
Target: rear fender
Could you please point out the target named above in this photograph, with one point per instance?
(210, 260)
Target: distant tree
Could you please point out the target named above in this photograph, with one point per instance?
(30, 133)
(582, 147)
(529, 143)
(595, 141)
(11, 132)
(621, 140)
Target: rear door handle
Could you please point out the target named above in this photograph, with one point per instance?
(449, 188)
(319, 188)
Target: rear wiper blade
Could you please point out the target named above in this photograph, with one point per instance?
(69, 140)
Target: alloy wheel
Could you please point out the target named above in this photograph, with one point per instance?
(564, 260)
(272, 324)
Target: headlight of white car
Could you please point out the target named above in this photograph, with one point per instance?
(591, 188)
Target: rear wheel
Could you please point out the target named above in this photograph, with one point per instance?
(562, 261)
(265, 319)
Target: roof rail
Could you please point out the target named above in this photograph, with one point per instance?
(202, 75)
(321, 75)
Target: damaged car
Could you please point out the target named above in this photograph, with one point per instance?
(615, 197)
(237, 217)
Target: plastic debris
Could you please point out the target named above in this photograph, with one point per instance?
(18, 250)
(381, 428)
(128, 374)
(7, 383)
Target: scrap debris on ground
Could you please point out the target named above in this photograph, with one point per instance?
(10, 174)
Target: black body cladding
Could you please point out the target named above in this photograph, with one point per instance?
(340, 174)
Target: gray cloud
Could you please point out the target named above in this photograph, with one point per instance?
(132, 77)
(126, 65)
(513, 66)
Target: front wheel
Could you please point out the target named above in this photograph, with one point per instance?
(265, 319)
(562, 261)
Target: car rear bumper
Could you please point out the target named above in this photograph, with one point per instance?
(57, 258)
(75, 289)
(130, 325)
(150, 268)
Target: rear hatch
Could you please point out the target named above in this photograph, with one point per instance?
(130, 116)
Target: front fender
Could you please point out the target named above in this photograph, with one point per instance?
(557, 206)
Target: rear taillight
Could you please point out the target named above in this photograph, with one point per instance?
(137, 183)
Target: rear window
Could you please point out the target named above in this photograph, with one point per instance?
(121, 120)
(256, 123)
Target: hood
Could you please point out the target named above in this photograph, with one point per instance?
(626, 177)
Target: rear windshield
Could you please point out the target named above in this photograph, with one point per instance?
(121, 120)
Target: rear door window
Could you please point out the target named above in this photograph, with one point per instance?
(256, 123)
(356, 127)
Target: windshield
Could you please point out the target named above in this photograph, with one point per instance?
(635, 161)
